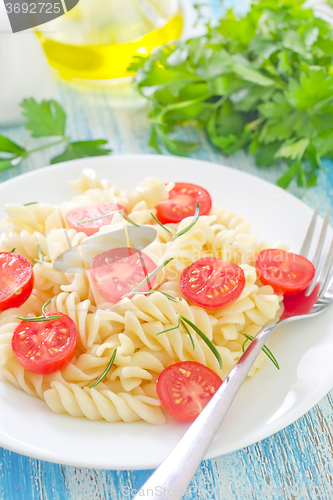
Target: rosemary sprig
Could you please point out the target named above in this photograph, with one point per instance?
(183, 231)
(149, 292)
(122, 212)
(42, 318)
(188, 332)
(170, 329)
(208, 342)
(31, 203)
(195, 220)
(149, 277)
(99, 217)
(160, 224)
(12, 250)
(40, 259)
(243, 345)
(106, 371)
(265, 349)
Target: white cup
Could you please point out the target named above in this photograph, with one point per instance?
(24, 71)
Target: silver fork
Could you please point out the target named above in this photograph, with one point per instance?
(175, 473)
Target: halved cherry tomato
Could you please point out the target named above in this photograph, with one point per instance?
(298, 304)
(47, 346)
(86, 213)
(286, 272)
(185, 388)
(211, 283)
(16, 280)
(182, 203)
(117, 271)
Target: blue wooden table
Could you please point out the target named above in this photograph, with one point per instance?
(295, 463)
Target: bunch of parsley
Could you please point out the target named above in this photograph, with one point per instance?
(47, 119)
(262, 82)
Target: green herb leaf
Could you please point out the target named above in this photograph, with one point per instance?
(160, 224)
(40, 319)
(44, 307)
(195, 220)
(8, 146)
(149, 277)
(43, 318)
(176, 147)
(292, 40)
(40, 253)
(204, 337)
(263, 82)
(264, 349)
(83, 149)
(294, 151)
(153, 142)
(168, 296)
(31, 203)
(122, 212)
(286, 178)
(243, 345)
(188, 333)
(40, 259)
(251, 75)
(128, 219)
(6, 164)
(44, 119)
(149, 292)
(100, 217)
(108, 368)
(170, 329)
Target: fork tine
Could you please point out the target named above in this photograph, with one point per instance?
(321, 241)
(326, 272)
(317, 254)
(308, 238)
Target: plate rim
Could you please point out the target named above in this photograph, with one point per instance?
(83, 163)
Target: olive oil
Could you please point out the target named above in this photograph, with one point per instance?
(104, 52)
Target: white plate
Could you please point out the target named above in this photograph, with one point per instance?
(266, 404)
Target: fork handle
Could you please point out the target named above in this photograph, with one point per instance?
(173, 476)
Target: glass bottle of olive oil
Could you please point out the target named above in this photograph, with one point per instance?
(98, 38)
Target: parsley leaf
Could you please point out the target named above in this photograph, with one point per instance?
(44, 119)
(48, 119)
(8, 146)
(295, 150)
(179, 148)
(82, 149)
(263, 82)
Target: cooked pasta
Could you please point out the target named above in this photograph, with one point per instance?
(144, 330)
